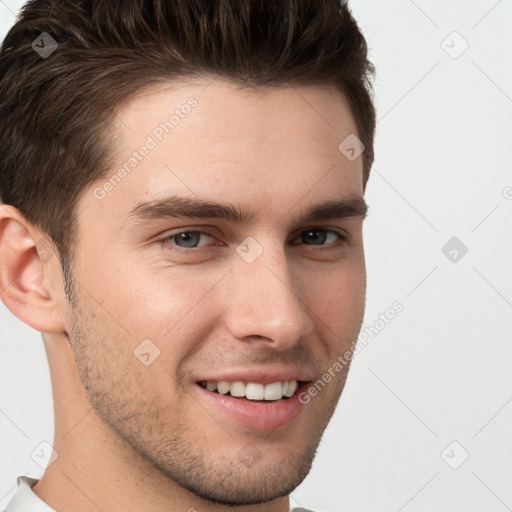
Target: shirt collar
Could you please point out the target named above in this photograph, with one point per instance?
(26, 500)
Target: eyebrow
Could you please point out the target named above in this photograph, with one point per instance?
(186, 207)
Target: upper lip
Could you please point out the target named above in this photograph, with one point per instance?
(263, 375)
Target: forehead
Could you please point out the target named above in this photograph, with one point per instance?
(227, 112)
(272, 147)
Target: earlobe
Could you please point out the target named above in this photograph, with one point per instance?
(25, 273)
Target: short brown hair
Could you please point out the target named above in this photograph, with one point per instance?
(55, 112)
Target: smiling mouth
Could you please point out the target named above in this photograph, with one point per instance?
(253, 391)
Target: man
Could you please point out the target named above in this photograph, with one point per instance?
(182, 185)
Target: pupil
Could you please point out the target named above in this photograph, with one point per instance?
(189, 238)
(317, 238)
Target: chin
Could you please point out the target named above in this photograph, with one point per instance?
(237, 485)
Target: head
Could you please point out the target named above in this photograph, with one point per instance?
(186, 163)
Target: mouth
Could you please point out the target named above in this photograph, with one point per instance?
(253, 391)
(252, 404)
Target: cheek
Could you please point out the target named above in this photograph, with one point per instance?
(338, 298)
(341, 288)
(169, 305)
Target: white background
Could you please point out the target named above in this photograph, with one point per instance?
(441, 371)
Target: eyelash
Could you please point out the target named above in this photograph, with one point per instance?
(343, 239)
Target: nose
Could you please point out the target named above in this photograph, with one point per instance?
(264, 301)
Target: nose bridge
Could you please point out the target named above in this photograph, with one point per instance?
(264, 297)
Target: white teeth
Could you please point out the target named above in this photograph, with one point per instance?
(292, 387)
(254, 390)
(237, 389)
(273, 391)
(223, 387)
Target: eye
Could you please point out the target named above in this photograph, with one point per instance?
(186, 239)
(319, 236)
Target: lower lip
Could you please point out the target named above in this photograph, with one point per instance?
(258, 415)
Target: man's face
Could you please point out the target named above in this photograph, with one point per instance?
(166, 304)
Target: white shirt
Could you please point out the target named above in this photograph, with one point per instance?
(26, 500)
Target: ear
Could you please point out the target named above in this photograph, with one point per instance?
(30, 282)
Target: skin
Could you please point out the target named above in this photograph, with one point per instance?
(134, 437)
